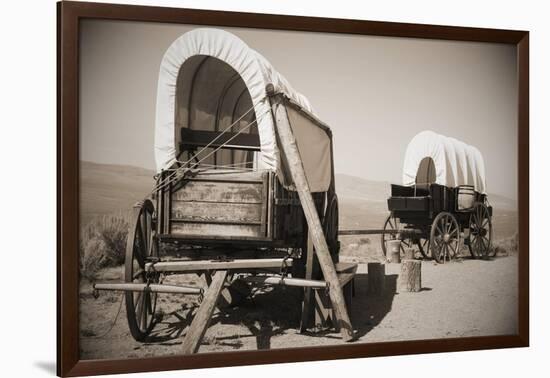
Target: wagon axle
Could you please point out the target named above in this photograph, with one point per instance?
(479, 232)
(151, 288)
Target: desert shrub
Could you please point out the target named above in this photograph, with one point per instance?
(103, 243)
(507, 246)
(364, 241)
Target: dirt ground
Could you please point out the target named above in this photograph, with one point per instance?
(458, 299)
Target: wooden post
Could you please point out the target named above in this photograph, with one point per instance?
(200, 322)
(376, 278)
(410, 277)
(409, 254)
(324, 313)
(394, 251)
(290, 150)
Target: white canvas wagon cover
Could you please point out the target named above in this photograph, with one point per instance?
(208, 78)
(455, 163)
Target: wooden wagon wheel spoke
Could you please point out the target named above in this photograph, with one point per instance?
(454, 248)
(424, 247)
(486, 242)
(473, 239)
(449, 225)
(149, 304)
(139, 307)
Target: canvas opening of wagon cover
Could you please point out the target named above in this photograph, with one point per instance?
(211, 82)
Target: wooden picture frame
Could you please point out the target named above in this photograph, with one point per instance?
(70, 15)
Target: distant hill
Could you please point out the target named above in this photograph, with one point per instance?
(106, 188)
(113, 188)
(363, 203)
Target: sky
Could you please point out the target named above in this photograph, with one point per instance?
(375, 93)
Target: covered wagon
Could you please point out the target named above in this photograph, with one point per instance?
(442, 199)
(244, 179)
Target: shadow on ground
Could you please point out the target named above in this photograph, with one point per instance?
(274, 311)
(368, 310)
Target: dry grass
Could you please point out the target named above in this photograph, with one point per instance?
(507, 246)
(103, 243)
(361, 250)
(365, 249)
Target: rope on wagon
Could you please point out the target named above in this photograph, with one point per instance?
(112, 324)
(173, 176)
(212, 141)
(229, 140)
(205, 147)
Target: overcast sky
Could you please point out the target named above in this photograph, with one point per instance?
(376, 93)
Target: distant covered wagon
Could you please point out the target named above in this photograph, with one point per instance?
(442, 197)
(244, 179)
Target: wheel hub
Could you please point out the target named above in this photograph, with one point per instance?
(446, 238)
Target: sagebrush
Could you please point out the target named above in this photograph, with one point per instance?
(103, 243)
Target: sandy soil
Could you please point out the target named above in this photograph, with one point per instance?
(464, 298)
(467, 298)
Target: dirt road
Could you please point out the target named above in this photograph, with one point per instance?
(468, 298)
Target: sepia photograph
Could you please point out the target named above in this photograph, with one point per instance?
(254, 189)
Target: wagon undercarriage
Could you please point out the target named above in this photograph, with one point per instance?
(439, 220)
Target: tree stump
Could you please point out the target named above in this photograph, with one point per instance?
(410, 277)
(376, 278)
(394, 249)
(409, 254)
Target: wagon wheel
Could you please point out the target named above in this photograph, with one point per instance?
(481, 232)
(445, 237)
(141, 248)
(424, 247)
(330, 227)
(392, 223)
